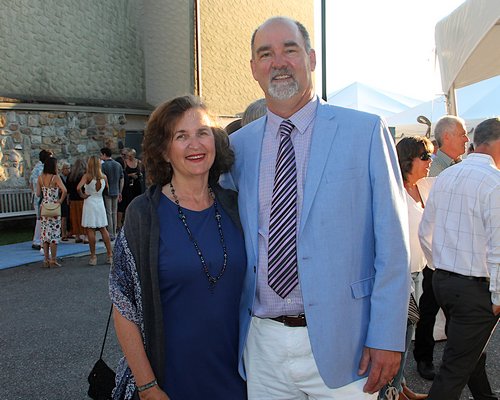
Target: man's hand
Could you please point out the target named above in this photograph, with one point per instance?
(383, 364)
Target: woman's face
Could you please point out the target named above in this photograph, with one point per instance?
(192, 149)
(421, 165)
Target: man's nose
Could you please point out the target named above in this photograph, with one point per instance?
(278, 61)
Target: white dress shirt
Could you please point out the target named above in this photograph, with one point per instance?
(267, 302)
(461, 221)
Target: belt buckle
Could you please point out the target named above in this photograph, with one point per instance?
(294, 321)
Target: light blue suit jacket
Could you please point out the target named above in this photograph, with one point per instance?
(352, 251)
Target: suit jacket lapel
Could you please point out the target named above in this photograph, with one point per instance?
(324, 131)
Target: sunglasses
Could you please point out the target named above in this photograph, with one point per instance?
(425, 156)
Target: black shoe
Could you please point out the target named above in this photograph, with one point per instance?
(36, 246)
(426, 370)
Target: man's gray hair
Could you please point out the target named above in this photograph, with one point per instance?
(487, 131)
(254, 111)
(446, 123)
(302, 29)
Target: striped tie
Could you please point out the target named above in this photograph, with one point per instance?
(282, 252)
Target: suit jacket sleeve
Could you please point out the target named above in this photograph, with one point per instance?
(389, 301)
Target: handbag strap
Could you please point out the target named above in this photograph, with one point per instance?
(106, 333)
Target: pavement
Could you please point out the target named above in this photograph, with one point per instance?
(52, 322)
(18, 254)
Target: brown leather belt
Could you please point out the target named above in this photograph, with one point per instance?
(291, 320)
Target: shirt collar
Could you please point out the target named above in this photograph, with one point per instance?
(445, 158)
(481, 158)
(301, 119)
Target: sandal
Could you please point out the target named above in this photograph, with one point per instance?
(46, 264)
(93, 260)
(54, 264)
(109, 260)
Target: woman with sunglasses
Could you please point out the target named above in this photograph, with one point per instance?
(414, 155)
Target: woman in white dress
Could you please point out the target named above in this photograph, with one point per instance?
(94, 213)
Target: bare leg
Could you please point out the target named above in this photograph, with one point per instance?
(91, 236)
(53, 251)
(46, 254)
(107, 242)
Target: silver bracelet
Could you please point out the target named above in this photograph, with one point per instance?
(147, 386)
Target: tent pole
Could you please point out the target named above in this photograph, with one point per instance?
(324, 95)
(451, 101)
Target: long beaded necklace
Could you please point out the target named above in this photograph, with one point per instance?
(212, 280)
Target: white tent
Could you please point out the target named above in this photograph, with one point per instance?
(365, 98)
(477, 102)
(468, 46)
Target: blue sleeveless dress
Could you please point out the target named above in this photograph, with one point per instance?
(200, 324)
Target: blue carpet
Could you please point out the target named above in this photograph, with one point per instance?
(14, 255)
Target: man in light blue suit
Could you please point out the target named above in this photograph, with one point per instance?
(338, 331)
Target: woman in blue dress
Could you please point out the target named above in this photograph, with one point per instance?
(178, 267)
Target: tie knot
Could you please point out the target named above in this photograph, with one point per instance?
(286, 127)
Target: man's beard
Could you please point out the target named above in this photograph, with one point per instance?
(283, 90)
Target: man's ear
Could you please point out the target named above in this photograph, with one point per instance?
(312, 59)
(253, 67)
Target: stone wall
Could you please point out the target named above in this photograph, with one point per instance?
(69, 135)
(72, 51)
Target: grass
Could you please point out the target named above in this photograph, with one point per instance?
(15, 232)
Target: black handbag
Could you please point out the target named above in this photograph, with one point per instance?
(102, 378)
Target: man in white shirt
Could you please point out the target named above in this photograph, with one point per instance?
(451, 137)
(460, 235)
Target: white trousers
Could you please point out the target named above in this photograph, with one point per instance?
(280, 366)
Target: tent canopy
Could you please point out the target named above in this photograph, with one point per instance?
(365, 98)
(467, 44)
(477, 102)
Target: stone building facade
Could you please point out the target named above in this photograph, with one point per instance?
(69, 135)
(77, 76)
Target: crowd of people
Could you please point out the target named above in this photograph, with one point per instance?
(84, 208)
(297, 257)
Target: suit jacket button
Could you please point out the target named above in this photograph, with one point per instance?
(254, 269)
(249, 312)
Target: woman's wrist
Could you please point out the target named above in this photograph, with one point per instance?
(149, 385)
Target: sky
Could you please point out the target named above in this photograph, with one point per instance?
(386, 44)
